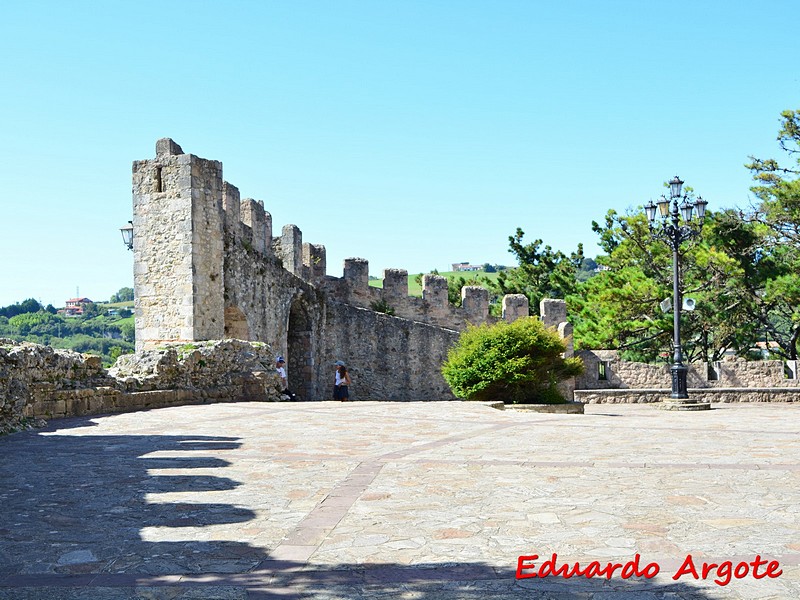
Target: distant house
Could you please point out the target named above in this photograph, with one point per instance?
(766, 348)
(74, 307)
(466, 267)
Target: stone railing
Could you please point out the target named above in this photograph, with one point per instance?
(605, 370)
(608, 379)
(724, 395)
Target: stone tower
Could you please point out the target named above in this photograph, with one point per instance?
(178, 224)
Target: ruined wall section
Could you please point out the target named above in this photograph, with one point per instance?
(389, 358)
(38, 382)
(266, 303)
(177, 246)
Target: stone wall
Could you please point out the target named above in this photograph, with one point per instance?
(29, 372)
(604, 370)
(389, 358)
(206, 266)
(38, 382)
(724, 395)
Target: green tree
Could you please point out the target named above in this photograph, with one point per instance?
(778, 215)
(26, 306)
(33, 322)
(542, 272)
(619, 307)
(124, 294)
(587, 270)
(90, 310)
(515, 362)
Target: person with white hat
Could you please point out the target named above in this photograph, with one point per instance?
(281, 369)
(340, 388)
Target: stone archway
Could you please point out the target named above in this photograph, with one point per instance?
(236, 324)
(300, 355)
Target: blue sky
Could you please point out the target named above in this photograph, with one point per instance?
(412, 134)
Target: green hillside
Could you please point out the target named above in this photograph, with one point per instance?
(415, 289)
(103, 329)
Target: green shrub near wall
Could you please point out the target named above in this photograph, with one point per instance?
(519, 362)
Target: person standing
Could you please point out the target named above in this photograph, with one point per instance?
(336, 366)
(280, 367)
(340, 389)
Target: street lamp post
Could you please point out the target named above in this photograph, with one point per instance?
(675, 225)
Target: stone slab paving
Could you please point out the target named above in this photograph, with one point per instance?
(431, 501)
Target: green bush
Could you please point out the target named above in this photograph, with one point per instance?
(519, 362)
(382, 306)
(33, 322)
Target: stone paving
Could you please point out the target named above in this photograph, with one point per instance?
(431, 501)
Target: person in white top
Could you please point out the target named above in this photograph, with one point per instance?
(281, 369)
(340, 389)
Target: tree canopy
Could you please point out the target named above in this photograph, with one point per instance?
(18, 308)
(776, 219)
(744, 272)
(542, 271)
(124, 294)
(620, 307)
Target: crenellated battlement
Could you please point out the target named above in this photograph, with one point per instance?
(314, 262)
(207, 266)
(433, 307)
(247, 223)
(258, 223)
(198, 182)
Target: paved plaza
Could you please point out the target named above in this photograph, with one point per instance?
(429, 501)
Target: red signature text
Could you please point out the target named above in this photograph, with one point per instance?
(721, 573)
(726, 570)
(527, 567)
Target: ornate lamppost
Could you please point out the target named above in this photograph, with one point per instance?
(675, 225)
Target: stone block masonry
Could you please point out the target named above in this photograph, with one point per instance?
(207, 267)
(609, 379)
(38, 382)
(178, 247)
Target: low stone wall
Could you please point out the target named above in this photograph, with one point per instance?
(38, 382)
(605, 370)
(724, 395)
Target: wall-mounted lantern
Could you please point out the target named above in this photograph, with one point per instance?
(127, 235)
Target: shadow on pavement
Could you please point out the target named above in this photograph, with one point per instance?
(73, 507)
(77, 503)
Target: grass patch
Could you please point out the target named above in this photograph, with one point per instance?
(415, 289)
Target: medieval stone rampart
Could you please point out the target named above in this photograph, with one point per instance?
(207, 266)
(392, 358)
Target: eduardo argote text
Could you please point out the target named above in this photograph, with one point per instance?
(528, 566)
